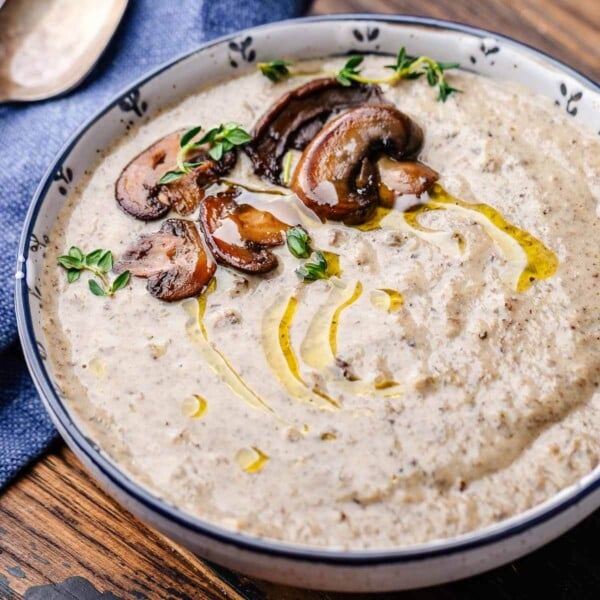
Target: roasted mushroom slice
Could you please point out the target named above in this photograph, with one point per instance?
(238, 233)
(298, 116)
(174, 260)
(337, 177)
(186, 193)
(399, 177)
(139, 194)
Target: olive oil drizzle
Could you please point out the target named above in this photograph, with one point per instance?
(333, 326)
(388, 299)
(251, 459)
(217, 361)
(385, 384)
(194, 406)
(451, 243)
(333, 263)
(381, 212)
(411, 216)
(315, 349)
(279, 352)
(318, 350)
(541, 263)
(285, 341)
(354, 386)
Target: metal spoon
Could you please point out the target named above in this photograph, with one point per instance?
(47, 47)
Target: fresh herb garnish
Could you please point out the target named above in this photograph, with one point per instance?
(405, 67)
(221, 139)
(189, 135)
(313, 269)
(276, 70)
(350, 71)
(412, 67)
(99, 262)
(318, 266)
(171, 176)
(298, 242)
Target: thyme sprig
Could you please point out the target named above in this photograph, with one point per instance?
(98, 262)
(221, 139)
(317, 267)
(224, 138)
(350, 71)
(313, 269)
(298, 242)
(405, 67)
(276, 70)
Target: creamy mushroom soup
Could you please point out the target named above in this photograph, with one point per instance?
(354, 316)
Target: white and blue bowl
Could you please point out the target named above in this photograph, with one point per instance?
(419, 565)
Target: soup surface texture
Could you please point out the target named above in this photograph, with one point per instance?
(429, 387)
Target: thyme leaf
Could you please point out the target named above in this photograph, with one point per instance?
(171, 176)
(405, 67)
(190, 134)
(93, 257)
(313, 269)
(105, 262)
(298, 242)
(73, 275)
(412, 67)
(276, 70)
(76, 253)
(98, 262)
(121, 281)
(347, 74)
(220, 139)
(95, 288)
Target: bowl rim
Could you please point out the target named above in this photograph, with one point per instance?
(495, 533)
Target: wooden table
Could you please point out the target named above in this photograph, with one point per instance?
(60, 531)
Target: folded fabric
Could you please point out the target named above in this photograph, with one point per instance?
(152, 32)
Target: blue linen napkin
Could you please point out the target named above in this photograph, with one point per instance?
(30, 135)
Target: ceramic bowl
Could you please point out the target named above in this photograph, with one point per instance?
(438, 561)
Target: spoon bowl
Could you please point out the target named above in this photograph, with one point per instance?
(47, 47)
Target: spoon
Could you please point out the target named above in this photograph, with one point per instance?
(47, 47)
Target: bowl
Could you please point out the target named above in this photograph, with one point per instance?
(405, 567)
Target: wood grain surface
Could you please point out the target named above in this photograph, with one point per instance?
(61, 537)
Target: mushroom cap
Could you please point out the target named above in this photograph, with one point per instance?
(337, 177)
(174, 260)
(399, 177)
(138, 193)
(295, 118)
(136, 190)
(238, 233)
(185, 194)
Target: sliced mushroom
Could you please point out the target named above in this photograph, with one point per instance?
(238, 233)
(399, 177)
(139, 194)
(186, 193)
(174, 260)
(298, 116)
(337, 177)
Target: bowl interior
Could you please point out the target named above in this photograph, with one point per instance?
(475, 50)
